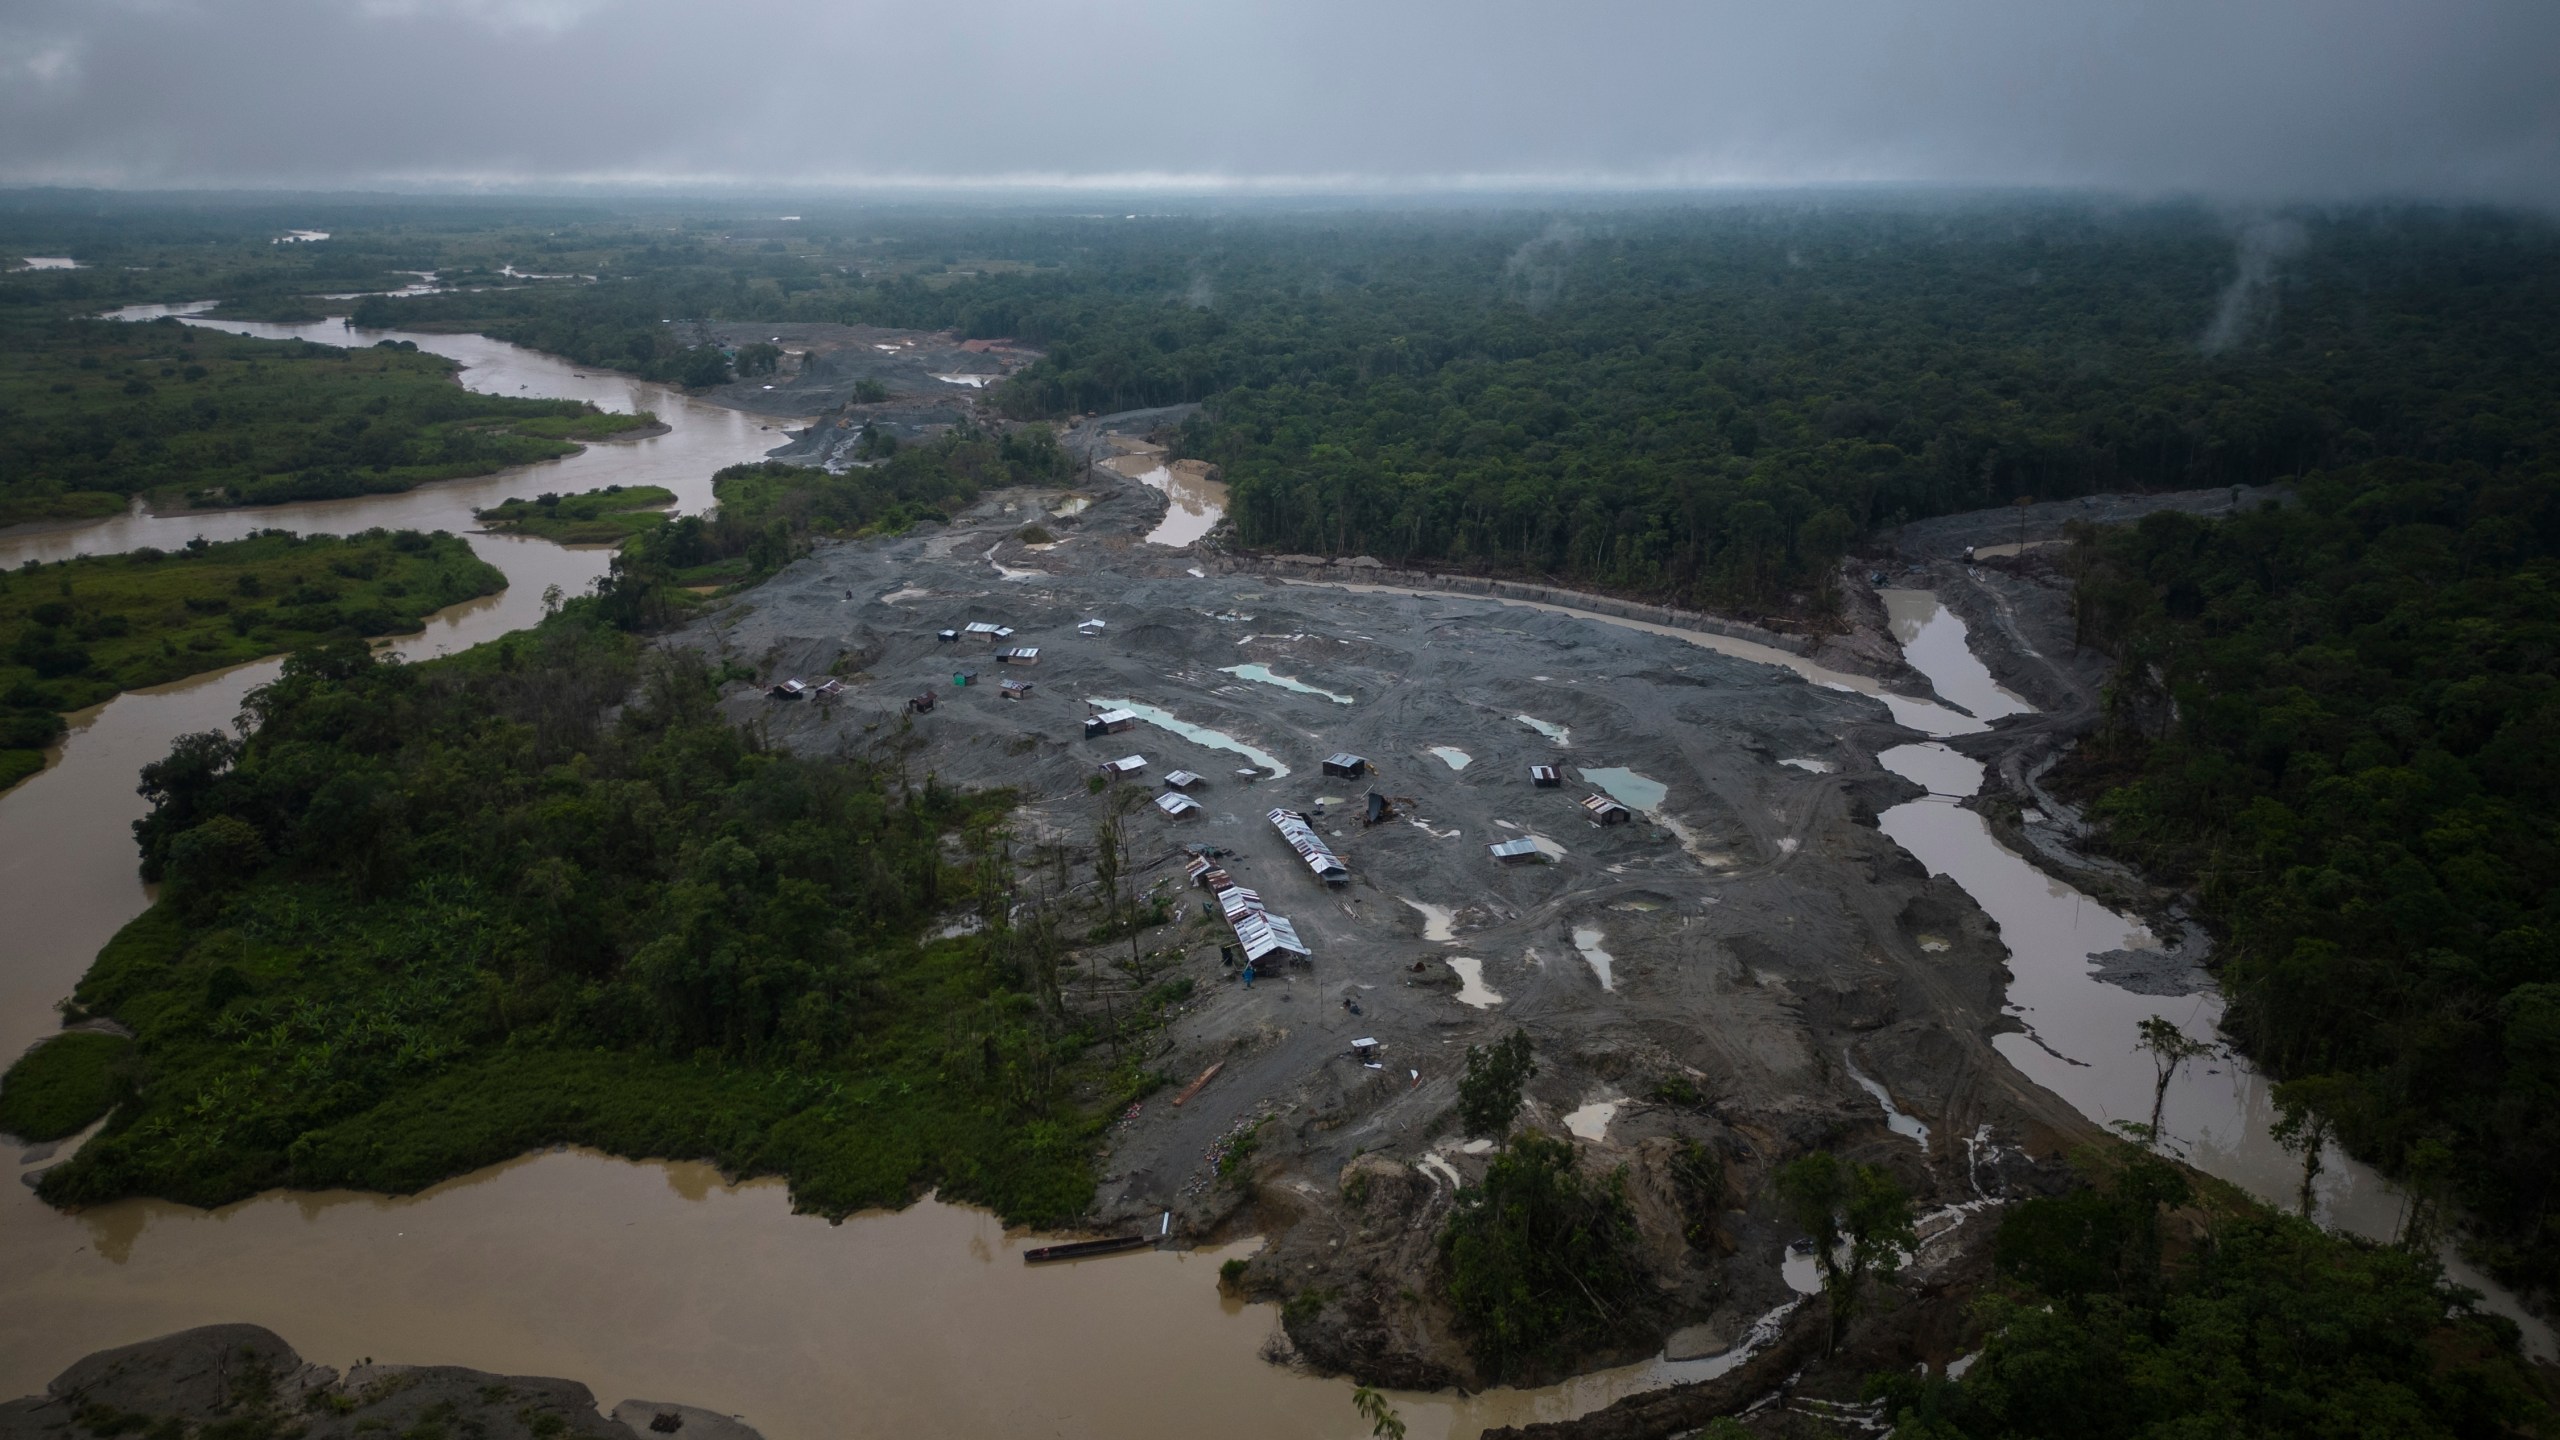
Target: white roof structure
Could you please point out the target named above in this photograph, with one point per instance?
(1523, 849)
(1114, 717)
(1019, 655)
(1260, 932)
(1311, 848)
(1177, 804)
(1182, 779)
(986, 627)
(1262, 935)
(1126, 765)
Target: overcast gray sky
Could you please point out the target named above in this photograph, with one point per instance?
(2256, 98)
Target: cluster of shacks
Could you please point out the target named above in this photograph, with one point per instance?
(1259, 933)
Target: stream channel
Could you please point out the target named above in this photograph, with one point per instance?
(661, 1280)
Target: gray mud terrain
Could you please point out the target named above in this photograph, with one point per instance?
(1763, 942)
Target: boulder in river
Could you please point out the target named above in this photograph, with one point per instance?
(247, 1379)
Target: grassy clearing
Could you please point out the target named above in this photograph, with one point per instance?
(61, 1085)
(93, 412)
(590, 517)
(75, 632)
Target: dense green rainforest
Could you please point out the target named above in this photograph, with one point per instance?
(2340, 720)
(423, 917)
(1703, 404)
(80, 631)
(95, 412)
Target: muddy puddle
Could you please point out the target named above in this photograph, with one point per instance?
(1907, 1126)
(1200, 735)
(1471, 987)
(1933, 641)
(1439, 922)
(1195, 503)
(1264, 675)
(1591, 1122)
(1558, 733)
(1628, 788)
(1587, 939)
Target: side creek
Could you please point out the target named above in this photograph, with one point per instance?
(2080, 1030)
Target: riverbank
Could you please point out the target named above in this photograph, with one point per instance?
(1767, 937)
(98, 411)
(82, 630)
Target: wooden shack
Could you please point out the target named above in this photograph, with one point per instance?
(1606, 811)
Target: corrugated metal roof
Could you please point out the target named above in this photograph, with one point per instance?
(1176, 803)
(1309, 845)
(1515, 849)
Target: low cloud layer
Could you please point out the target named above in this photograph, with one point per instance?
(2245, 98)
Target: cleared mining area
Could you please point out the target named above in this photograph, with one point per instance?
(1744, 961)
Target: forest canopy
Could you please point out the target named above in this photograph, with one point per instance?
(421, 918)
(1708, 403)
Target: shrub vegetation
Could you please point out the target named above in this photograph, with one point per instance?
(78, 631)
(93, 412)
(417, 919)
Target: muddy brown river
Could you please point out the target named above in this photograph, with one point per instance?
(657, 1280)
(646, 1279)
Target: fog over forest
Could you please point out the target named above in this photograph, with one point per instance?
(2280, 99)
